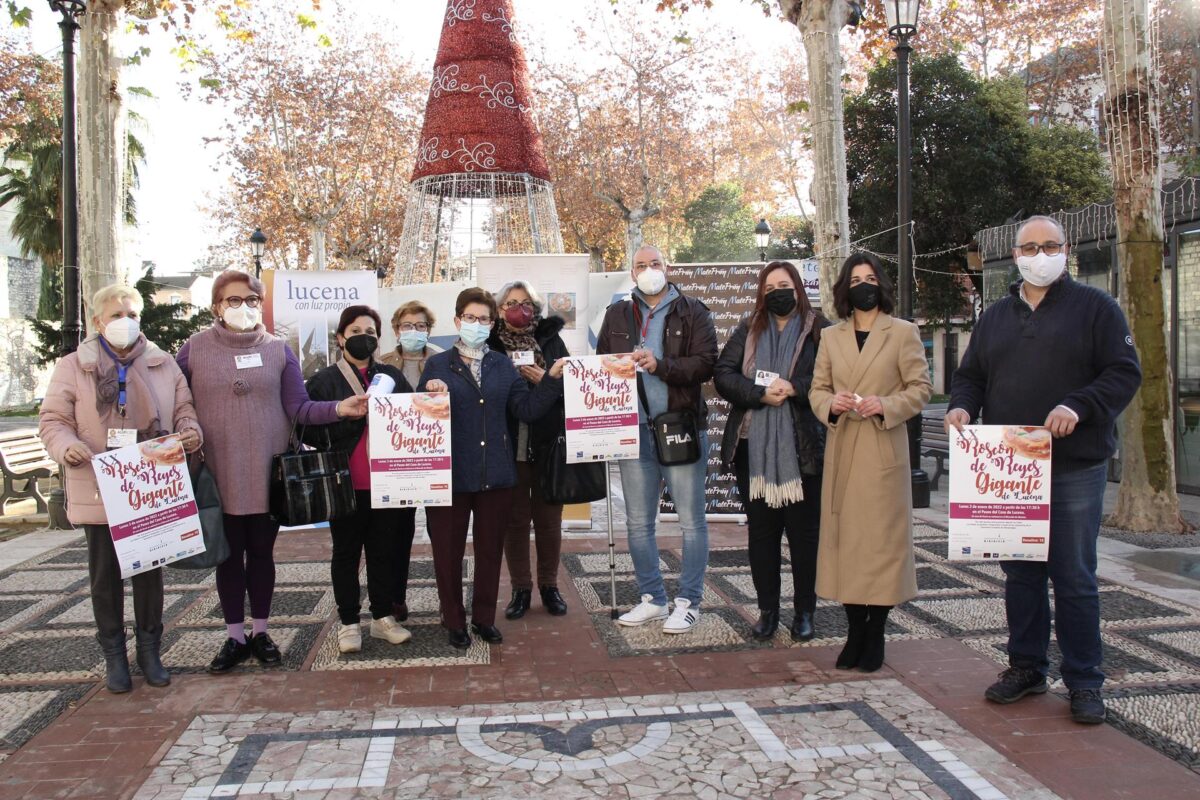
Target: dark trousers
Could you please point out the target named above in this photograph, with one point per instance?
(766, 527)
(402, 539)
(529, 506)
(250, 568)
(1076, 502)
(448, 537)
(108, 590)
(373, 530)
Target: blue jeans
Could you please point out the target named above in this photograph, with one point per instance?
(641, 481)
(1076, 500)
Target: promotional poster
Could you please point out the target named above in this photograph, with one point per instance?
(147, 496)
(303, 308)
(1000, 493)
(600, 393)
(409, 445)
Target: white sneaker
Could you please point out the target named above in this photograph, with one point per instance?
(389, 630)
(683, 618)
(642, 613)
(349, 639)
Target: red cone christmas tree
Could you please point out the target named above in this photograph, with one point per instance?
(481, 183)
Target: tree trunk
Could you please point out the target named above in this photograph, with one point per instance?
(820, 23)
(635, 221)
(102, 142)
(316, 233)
(1147, 500)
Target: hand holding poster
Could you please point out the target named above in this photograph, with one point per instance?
(409, 442)
(600, 395)
(999, 493)
(147, 496)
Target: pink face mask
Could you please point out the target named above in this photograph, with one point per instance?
(518, 316)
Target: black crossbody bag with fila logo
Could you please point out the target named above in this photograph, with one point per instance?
(676, 434)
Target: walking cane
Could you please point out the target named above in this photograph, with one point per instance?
(612, 546)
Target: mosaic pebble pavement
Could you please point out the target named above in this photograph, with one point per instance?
(871, 739)
(49, 658)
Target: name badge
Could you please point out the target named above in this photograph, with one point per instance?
(248, 361)
(764, 378)
(523, 358)
(121, 437)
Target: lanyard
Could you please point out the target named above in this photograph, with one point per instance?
(637, 311)
(121, 372)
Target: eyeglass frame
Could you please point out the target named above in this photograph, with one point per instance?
(253, 301)
(480, 320)
(419, 327)
(527, 304)
(1040, 248)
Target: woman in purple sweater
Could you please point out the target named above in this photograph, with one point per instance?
(247, 389)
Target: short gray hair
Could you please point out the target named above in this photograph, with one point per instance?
(534, 297)
(1039, 218)
(117, 291)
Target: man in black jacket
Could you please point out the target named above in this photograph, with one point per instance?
(674, 343)
(1056, 353)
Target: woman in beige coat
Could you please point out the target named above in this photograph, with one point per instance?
(116, 389)
(870, 378)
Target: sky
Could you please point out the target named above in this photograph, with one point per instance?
(182, 174)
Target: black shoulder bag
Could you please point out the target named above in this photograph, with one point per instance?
(310, 486)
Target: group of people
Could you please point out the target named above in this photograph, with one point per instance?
(816, 439)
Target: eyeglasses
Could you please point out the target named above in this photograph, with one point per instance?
(525, 304)
(1049, 248)
(406, 327)
(254, 301)
(473, 318)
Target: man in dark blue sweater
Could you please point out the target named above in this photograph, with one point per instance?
(1056, 353)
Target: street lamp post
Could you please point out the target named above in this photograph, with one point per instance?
(258, 245)
(902, 18)
(762, 237)
(72, 329)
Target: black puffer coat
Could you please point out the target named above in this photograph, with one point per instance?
(744, 395)
(330, 384)
(542, 433)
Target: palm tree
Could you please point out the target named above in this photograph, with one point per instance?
(33, 188)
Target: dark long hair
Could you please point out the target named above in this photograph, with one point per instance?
(841, 287)
(762, 317)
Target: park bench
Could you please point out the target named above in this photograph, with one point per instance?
(934, 442)
(24, 462)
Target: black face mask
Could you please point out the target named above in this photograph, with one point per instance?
(781, 302)
(361, 346)
(864, 296)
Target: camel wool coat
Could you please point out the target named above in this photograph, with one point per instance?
(866, 550)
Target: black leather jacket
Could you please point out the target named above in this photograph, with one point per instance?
(330, 384)
(744, 395)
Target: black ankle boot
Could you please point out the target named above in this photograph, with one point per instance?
(856, 617)
(116, 663)
(872, 654)
(519, 603)
(552, 601)
(768, 623)
(149, 661)
(802, 626)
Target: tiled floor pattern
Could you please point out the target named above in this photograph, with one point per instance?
(48, 657)
(863, 740)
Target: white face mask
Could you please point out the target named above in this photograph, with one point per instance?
(122, 332)
(651, 281)
(1042, 270)
(242, 318)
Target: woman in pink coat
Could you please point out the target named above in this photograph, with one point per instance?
(115, 390)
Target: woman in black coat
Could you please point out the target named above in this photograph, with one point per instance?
(773, 443)
(385, 534)
(523, 334)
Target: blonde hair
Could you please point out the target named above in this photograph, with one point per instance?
(413, 307)
(117, 291)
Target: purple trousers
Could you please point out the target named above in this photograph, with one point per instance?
(250, 568)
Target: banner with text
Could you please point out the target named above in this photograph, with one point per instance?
(408, 441)
(1000, 493)
(147, 496)
(303, 308)
(600, 394)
